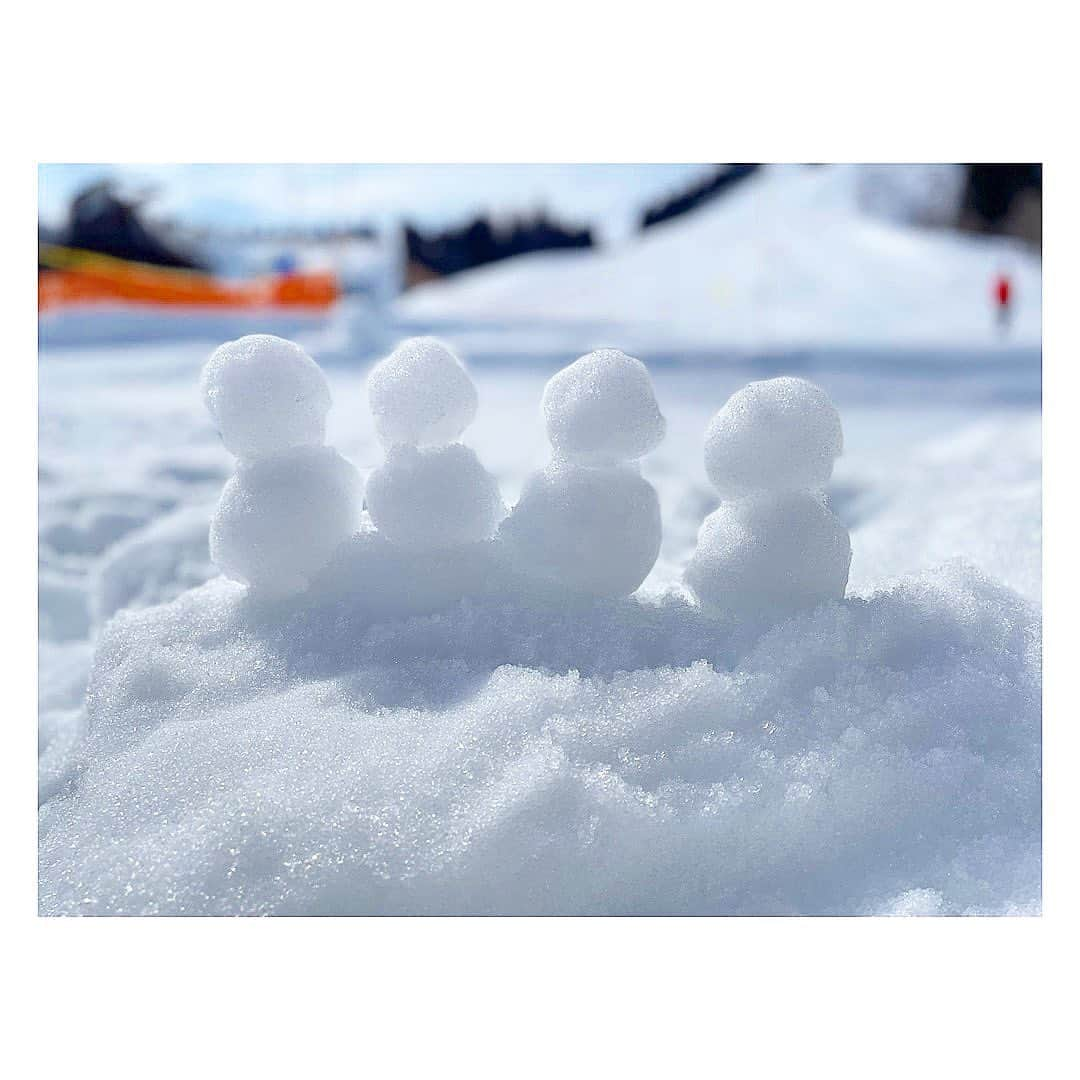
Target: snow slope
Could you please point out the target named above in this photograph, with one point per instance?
(787, 260)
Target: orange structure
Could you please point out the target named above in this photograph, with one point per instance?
(75, 277)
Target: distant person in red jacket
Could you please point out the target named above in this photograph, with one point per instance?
(1003, 300)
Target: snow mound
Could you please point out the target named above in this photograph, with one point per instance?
(433, 497)
(265, 394)
(775, 435)
(420, 395)
(601, 409)
(876, 754)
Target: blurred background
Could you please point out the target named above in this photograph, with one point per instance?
(700, 257)
(911, 293)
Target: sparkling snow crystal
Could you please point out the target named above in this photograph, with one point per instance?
(507, 759)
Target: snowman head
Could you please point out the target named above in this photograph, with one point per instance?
(601, 410)
(265, 395)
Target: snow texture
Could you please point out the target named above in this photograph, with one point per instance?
(265, 394)
(626, 758)
(420, 395)
(601, 409)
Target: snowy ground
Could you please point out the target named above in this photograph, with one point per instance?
(504, 755)
(942, 463)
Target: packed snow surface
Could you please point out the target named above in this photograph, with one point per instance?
(462, 729)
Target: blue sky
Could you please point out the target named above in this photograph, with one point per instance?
(244, 195)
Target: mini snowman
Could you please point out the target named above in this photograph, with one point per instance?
(773, 547)
(588, 523)
(431, 493)
(292, 500)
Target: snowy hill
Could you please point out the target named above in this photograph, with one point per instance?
(788, 260)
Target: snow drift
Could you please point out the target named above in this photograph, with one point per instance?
(629, 758)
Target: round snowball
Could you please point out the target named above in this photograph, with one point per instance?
(768, 554)
(265, 395)
(282, 517)
(437, 497)
(420, 395)
(776, 435)
(601, 409)
(594, 531)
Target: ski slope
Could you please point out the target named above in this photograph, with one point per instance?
(788, 260)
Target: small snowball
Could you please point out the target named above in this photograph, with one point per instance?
(265, 394)
(420, 395)
(770, 554)
(437, 497)
(776, 435)
(282, 517)
(591, 530)
(601, 409)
